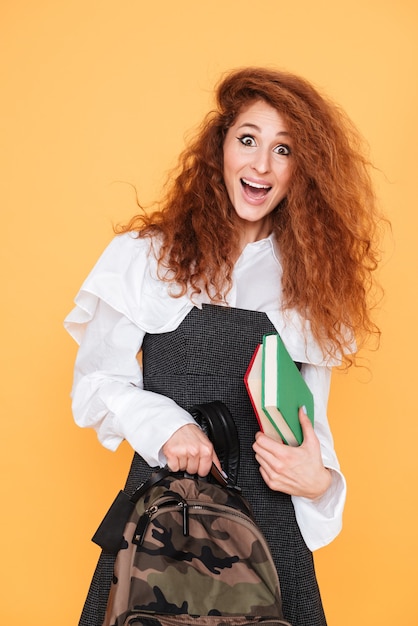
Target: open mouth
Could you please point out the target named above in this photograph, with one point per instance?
(256, 191)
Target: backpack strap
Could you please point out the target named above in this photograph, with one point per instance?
(217, 423)
(155, 478)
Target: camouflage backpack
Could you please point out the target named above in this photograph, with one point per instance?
(191, 551)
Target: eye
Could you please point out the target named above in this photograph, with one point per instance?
(283, 149)
(247, 140)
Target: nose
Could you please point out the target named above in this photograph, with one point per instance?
(261, 161)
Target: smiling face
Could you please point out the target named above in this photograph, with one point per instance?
(257, 167)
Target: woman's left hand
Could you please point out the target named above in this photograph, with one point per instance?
(298, 471)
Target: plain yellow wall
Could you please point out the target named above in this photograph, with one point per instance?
(95, 92)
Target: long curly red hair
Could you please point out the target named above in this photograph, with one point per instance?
(326, 227)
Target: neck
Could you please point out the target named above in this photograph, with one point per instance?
(244, 237)
(253, 232)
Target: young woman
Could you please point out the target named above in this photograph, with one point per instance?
(267, 226)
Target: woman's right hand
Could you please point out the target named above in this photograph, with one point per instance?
(189, 450)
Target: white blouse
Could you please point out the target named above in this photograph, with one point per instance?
(122, 299)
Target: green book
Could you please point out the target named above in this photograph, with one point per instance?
(283, 390)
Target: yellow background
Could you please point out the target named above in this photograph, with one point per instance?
(96, 92)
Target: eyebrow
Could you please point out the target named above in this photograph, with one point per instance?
(258, 129)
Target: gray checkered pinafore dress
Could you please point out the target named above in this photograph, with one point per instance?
(205, 359)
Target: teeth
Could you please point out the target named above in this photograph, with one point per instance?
(255, 185)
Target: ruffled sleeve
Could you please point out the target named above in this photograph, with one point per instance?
(116, 279)
(117, 304)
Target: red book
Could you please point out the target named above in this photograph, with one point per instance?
(253, 382)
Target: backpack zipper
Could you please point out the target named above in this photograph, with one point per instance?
(186, 507)
(146, 517)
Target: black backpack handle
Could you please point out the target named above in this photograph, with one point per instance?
(217, 423)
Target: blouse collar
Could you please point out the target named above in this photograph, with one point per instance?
(262, 244)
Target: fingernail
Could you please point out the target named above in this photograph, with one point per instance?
(304, 410)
